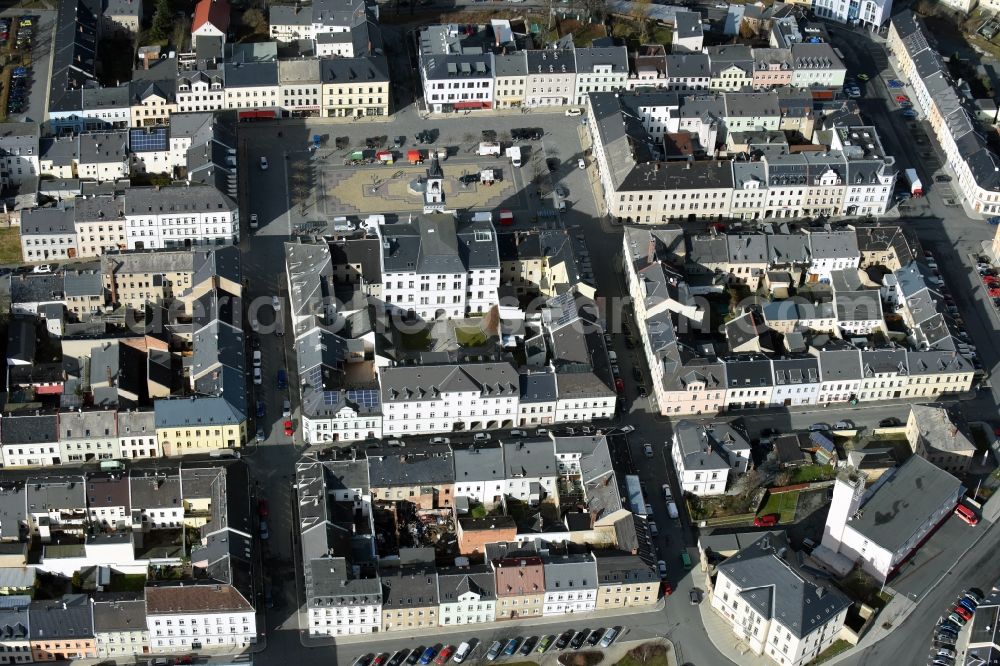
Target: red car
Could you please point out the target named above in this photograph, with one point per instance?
(444, 655)
(963, 612)
(184, 659)
(289, 430)
(262, 508)
(767, 520)
(990, 279)
(994, 292)
(380, 659)
(902, 98)
(619, 385)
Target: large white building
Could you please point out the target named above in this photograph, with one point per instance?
(866, 525)
(448, 398)
(433, 268)
(705, 455)
(466, 595)
(570, 584)
(171, 217)
(771, 606)
(199, 617)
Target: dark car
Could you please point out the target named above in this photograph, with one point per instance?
(399, 657)
(552, 163)
(427, 656)
(469, 178)
(563, 641)
(595, 636)
(636, 374)
(578, 640)
(415, 655)
(890, 422)
(261, 409)
(528, 645)
(511, 646)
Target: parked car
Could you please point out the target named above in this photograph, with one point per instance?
(909, 113)
(595, 636)
(767, 520)
(573, 112)
(579, 639)
(262, 509)
(494, 650)
(661, 567)
(264, 533)
(962, 611)
(444, 655)
(609, 636)
(289, 429)
(563, 641)
(581, 163)
(427, 656)
(647, 449)
(380, 659)
(415, 655)
(528, 645)
(544, 644)
(399, 657)
(694, 596)
(653, 529)
(902, 98)
(891, 422)
(957, 619)
(263, 163)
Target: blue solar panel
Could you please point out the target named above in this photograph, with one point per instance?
(148, 140)
(364, 397)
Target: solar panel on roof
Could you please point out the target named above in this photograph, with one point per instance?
(143, 140)
(364, 397)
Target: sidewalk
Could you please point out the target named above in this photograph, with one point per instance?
(531, 624)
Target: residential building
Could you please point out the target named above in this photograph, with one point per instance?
(704, 456)
(409, 599)
(62, 629)
(864, 526)
(689, 34)
(870, 13)
(109, 501)
(48, 234)
(625, 581)
(435, 268)
(480, 474)
(354, 87)
(425, 479)
(772, 607)
(602, 69)
(349, 415)
(211, 19)
(156, 500)
(454, 77)
(120, 628)
(30, 441)
(179, 217)
(199, 616)
(570, 584)
(941, 437)
(520, 586)
(87, 436)
(15, 634)
(121, 18)
(100, 225)
(551, 77)
(510, 76)
(299, 86)
(467, 595)
(531, 472)
(817, 65)
(103, 156)
(19, 152)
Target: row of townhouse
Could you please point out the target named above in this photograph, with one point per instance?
(482, 67)
(434, 268)
(351, 591)
(139, 218)
(349, 78)
(976, 166)
(134, 378)
(644, 184)
(211, 611)
(756, 373)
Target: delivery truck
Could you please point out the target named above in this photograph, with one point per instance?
(489, 148)
(916, 188)
(514, 154)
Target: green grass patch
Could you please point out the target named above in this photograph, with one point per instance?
(470, 337)
(837, 647)
(862, 587)
(811, 473)
(10, 246)
(783, 504)
(647, 654)
(663, 35)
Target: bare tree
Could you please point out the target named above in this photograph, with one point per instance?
(640, 14)
(254, 19)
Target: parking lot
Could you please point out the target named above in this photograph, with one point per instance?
(26, 78)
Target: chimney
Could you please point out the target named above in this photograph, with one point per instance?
(651, 249)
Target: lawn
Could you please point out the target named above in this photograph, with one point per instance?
(10, 246)
(837, 647)
(470, 337)
(810, 473)
(128, 582)
(782, 503)
(647, 654)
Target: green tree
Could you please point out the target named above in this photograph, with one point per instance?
(163, 20)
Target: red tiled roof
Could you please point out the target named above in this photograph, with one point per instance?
(215, 12)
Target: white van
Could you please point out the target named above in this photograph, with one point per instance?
(613, 357)
(461, 653)
(672, 510)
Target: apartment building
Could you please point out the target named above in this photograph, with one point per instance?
(816, 65)
(87, 436)
(179, 217)
(705, 456)
(289, 23)
(976, 167)
(84, 292)
(409, 598)
(939, 436)
(772, 606)
(19, 150)
(870, 13)
(99, 221)
(135, 277)
(436, 268)
(199, 616)
(120, 628)
(48, 234)
(510, 79)
(551, 78)
(14, 633)
(520, 583)
(570, 584)
(689, 33)
(600, 70)
(103, 156)
(624, 581)
(61, 629)
(354, 87)
(467, 595)
(30, 441)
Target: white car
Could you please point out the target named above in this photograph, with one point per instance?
(573, 112)
(581, 163)
(263, 163)
(276, 303)
(257, 378)
(256, 358)
(627, 429)
(254, 221)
